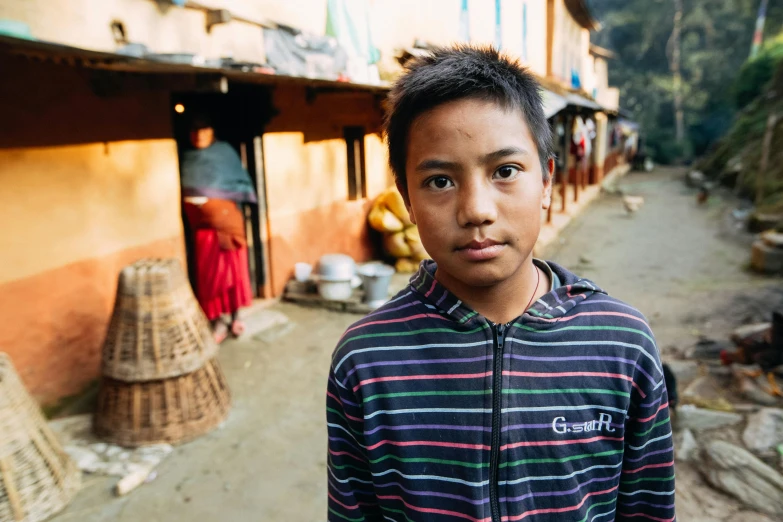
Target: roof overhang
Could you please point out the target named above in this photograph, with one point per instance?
(602, 52)
(113, 62)
(581, 13)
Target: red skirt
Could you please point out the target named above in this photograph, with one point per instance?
(223, 279)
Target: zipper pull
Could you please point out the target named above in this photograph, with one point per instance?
(501, 335)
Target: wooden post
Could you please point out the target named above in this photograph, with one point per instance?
(765, 146)
(575, 171)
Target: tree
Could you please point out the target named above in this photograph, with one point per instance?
(715, 37)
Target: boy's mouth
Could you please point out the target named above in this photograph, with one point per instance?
(481, 250)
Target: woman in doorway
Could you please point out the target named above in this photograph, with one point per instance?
(214, 185)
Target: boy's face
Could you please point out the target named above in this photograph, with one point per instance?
(475, 190)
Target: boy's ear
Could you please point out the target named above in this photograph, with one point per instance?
(546, 199)
(404, 192)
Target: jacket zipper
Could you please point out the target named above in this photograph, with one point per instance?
(497, 388)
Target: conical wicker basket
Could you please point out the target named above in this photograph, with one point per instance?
(158, 329)
(37, 478)
(171, 410)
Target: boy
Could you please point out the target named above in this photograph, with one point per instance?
(496, 387)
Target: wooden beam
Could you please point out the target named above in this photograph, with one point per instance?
(550, 35)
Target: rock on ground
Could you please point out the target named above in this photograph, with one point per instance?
(685, 445)
(764, 430)
(698, 419)
(684, 371)
(739, 473)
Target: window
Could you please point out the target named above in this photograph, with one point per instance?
(357, 177)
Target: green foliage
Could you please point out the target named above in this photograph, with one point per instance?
(756, 74)
(715, 43)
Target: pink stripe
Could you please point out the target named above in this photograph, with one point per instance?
(422, 377)
(616, 314)
(346, 506)
(558, 510)
(356, 419)
(400, 320)
(649, 466)
(629, 515)
(578, 374)
(335, 397)
(339, 453)
(556, 442)
(430, 443)
(431, 510)
(662, 406)
(429, 292)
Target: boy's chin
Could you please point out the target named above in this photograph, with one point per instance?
(477, 275)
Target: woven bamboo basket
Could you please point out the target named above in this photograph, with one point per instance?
(37, 478)
(158, 329)
(171, 410)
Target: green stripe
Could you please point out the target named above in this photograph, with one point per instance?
(587, 328)
(340, 414)
(489, 392)
(464, 319)
(664, 479)
(424, 394)
(566, 459)
(413, 332)
(344, 466)
(568, 390)
(597, 504)
(659, 423)
(333, 512)
(398, 511)
(433, 461)
(539, 314)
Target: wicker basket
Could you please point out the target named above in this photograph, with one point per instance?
(37, 478)
(158, 329)
(172, 410)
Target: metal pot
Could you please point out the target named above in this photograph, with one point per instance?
(336, 267)
(335, 290)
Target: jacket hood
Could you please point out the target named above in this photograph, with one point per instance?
(548, 309)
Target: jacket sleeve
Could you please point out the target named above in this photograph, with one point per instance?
(351, 494)
(647, 481)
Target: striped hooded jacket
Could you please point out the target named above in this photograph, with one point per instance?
(434, 413)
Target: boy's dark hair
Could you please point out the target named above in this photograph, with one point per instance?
(455, 73)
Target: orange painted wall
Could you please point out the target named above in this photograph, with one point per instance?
(54, 322)
(305, 161)
(88, 184)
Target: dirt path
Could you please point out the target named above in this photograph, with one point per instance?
(684, 266)
(677, 262)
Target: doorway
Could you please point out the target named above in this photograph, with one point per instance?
(239, 117)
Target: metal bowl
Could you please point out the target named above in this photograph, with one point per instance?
(336, 267)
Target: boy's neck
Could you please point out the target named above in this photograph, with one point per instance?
(504, 301)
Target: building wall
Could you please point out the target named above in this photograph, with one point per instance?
(396, 24)
(571, 44)
(305, 161)
(164, 28)
(87, 185)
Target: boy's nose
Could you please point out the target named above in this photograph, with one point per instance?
(476, 205)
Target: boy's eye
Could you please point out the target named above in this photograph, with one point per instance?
(439, 182)
(507, 172)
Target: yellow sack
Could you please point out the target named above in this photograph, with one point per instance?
(406, 265)
(383, 220)
(396, 245)
(412, 234)
(418, 252)
(394, 202)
